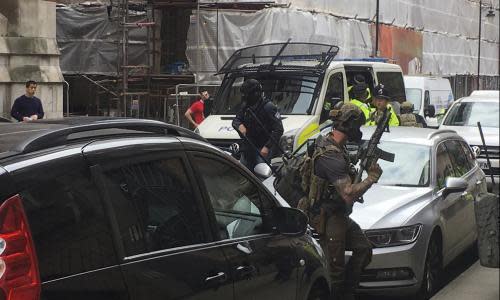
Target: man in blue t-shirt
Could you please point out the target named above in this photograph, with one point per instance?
(27, 108)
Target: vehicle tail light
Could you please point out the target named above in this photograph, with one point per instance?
(19, 277)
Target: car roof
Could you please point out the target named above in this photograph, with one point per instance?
(479, 98)
(485, 94)
(18, 138)
(410, 135)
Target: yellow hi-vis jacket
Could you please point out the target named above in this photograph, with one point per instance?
(365, 108)
(393, 118)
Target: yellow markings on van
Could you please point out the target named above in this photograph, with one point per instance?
(309, 131)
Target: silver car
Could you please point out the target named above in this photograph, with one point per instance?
(420, 215)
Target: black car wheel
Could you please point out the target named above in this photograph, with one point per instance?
(318, 293)
(432, 271)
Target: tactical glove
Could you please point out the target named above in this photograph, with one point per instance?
(374, 173)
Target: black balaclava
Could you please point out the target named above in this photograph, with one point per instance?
(251, 92)
(352, 128)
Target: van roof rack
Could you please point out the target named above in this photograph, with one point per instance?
(287, 56)
(439, 131)
(367, 59)
(29, 137)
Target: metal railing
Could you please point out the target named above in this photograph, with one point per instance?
(181, 100)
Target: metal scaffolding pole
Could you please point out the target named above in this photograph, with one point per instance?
(124, 70)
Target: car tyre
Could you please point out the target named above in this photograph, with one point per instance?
(432, 271)
(318, 293)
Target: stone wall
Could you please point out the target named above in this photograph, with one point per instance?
(29, 51)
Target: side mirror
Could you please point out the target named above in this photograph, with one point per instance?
(262, 170)
(454, 185)
(332, 101)
(290, 221)
(430, 111)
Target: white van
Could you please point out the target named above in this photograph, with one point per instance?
(430, 96)
(302, 79)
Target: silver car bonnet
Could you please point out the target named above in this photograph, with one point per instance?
(471, 134)
(390, 206)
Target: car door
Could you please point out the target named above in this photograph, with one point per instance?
(161, 228)
(263, 263)
(464, 169)
(71, 232)
(451, 205)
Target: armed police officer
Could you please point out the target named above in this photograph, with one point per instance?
(333, 177)
(258, 123)
(409, 118)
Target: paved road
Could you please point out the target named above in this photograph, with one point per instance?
(464, 279)
(477, 282)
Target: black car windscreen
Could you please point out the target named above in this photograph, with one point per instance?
(292, 94)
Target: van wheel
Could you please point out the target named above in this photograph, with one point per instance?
(318, 293)
(432, 271)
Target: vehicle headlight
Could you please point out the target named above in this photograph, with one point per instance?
(287, 141)
(393, 236)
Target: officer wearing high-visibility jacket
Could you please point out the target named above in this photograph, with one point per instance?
(359, 94)
(381, 101)
(358, 78)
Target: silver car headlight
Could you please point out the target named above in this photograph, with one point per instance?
(287, 140)
(393, 236)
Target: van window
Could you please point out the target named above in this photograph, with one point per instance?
(393, 81)
(69, 227)
(334, 93)
(292, 94)
(415, 97)
(154, 205)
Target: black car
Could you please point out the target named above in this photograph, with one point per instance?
(139, 209)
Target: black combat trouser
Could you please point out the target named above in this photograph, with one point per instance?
(342, 233)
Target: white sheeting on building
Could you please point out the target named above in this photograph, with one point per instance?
(449, 29)
(240, 29)
(445, 16)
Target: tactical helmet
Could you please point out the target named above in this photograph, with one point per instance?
(251, 86)
(406, 107)
(381, 92)
(251, 91)
(348, 118)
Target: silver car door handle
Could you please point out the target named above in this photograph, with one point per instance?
(220, 277)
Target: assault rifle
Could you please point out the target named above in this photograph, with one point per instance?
(372, 153)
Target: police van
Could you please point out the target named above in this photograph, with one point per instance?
(304, 80)
(431, 96)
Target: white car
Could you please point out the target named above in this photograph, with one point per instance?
(480, 106)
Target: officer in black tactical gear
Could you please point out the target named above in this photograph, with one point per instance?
(260, 122)
(333, 177)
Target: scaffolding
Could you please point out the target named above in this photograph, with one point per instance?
(131, 99)
(144, 86)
